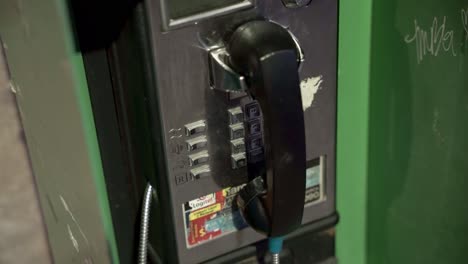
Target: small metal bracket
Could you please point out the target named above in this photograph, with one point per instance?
(300, 52)
(222, 76)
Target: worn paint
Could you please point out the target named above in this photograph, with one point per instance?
(436, 127)
(38, 79)
(14, 88)
(67, 208)
(309, 87)
(73, 239)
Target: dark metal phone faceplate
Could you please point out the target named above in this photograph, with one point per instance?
(211, 138)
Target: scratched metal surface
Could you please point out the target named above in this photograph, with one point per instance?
(46, 78)
(22, 231)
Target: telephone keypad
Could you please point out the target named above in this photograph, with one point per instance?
(236, 131)
(255, 142)
(200, 172)
(196, 143)
(236, 115)
(256, 155)
(238, 160)
(237, 146)
(198, 158)
(254, 126)
(254, 136)
(195, 128)
(252, 110)
(237, 134)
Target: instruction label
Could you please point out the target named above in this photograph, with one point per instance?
(314, 186)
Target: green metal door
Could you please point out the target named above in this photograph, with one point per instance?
(402, 136)
(48, 78)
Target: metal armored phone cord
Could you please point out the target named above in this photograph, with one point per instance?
(144, 227)
(275, 245)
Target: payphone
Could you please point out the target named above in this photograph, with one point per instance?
(230, 110)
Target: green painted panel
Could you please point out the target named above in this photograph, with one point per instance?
(89, 128)
(352, 135)
(49, 82)
(403, 172)
(418, 145)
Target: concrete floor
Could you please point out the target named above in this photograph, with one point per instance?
(22, 232)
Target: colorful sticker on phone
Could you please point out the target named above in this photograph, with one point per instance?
(212, 216)
(314, 186)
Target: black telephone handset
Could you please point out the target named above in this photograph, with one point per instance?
(266, 54)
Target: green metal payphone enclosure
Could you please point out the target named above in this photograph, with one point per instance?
(197, 138)
(401, 132)
(130, 67)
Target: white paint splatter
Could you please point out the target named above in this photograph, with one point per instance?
(73, 239)
(309, 87)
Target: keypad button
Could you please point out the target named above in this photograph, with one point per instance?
(196, 143)
(252, 110)
(237, 146)
(255, 142)
(236, 131)
(195, 128)
(236, 115)
(238, 160)
(198, 158)
(256, 155)
(200, 172)
(254, 126)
